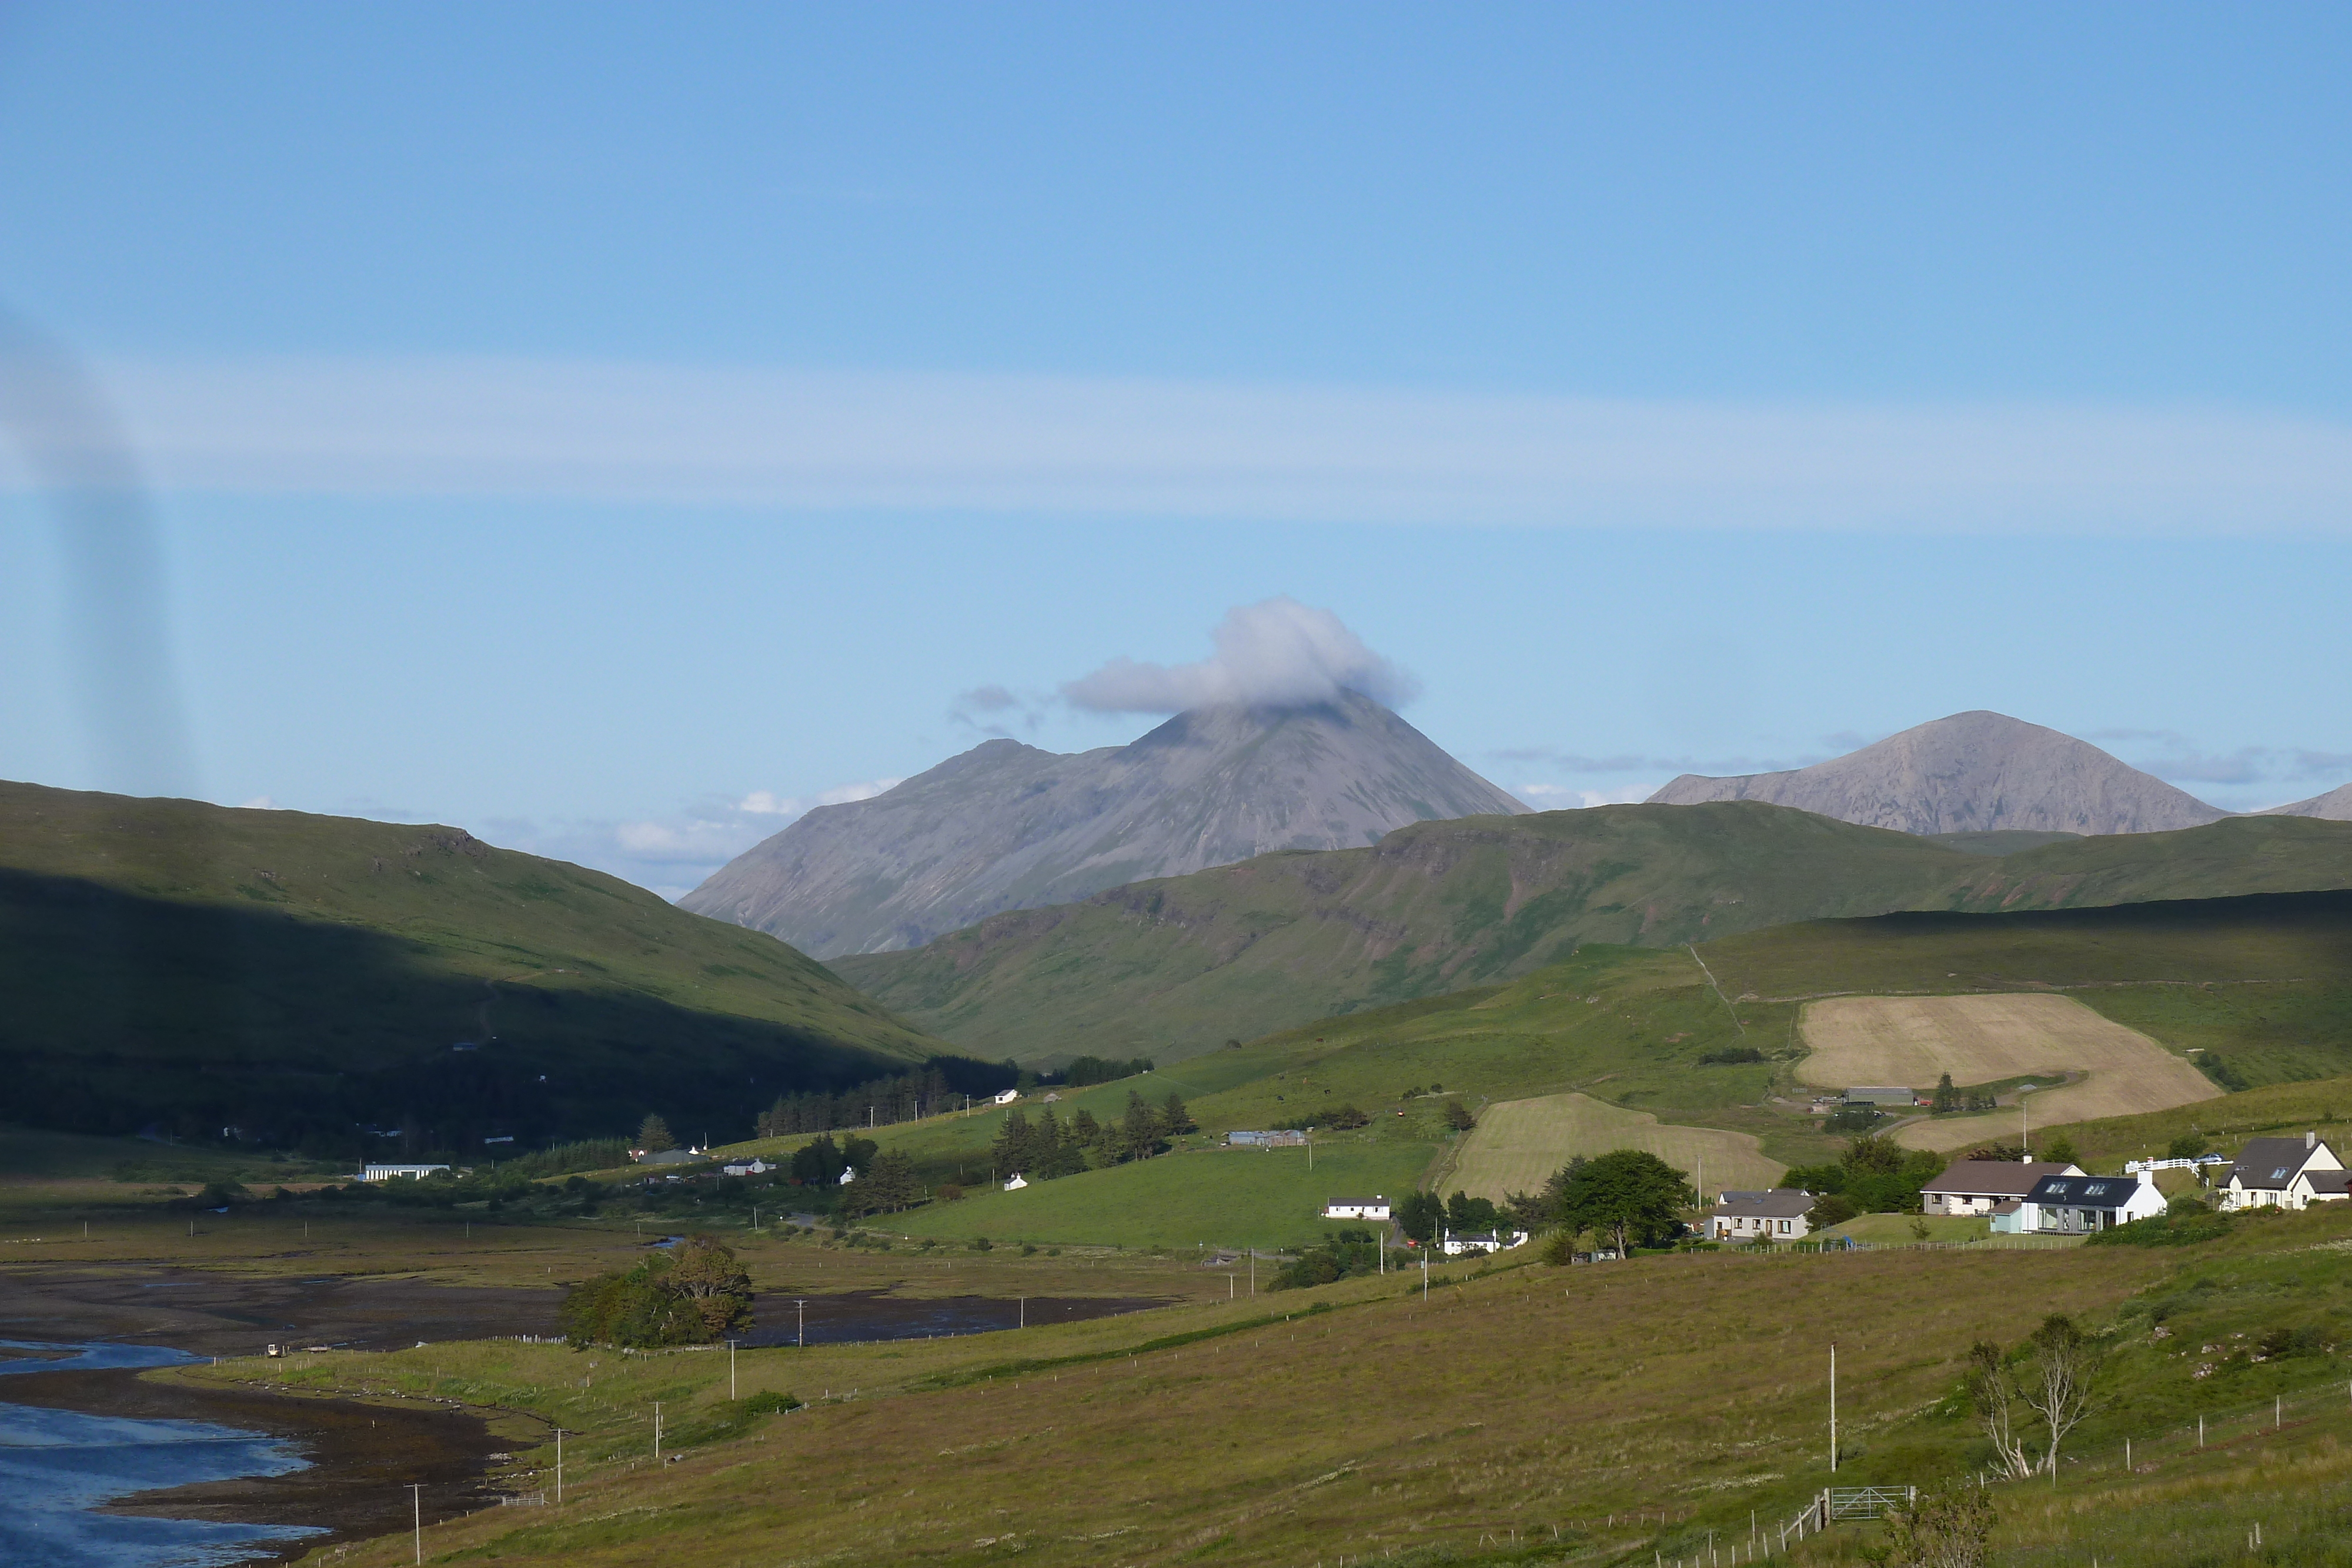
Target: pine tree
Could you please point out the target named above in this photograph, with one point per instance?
(653, 1135)
(1175, 1119)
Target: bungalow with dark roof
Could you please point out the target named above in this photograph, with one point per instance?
(2080, 1204)
(2284, 1172)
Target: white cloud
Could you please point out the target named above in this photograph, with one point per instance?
(1566, 797)
(1278, 654)
(261, 803)
(1127, 446)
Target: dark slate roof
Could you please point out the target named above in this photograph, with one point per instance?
(2269, 1163)
(1994, 1178)
(2332, 1181)
(1779, 1203)
(2084, 1191)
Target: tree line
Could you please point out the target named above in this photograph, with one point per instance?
(1050, 1146)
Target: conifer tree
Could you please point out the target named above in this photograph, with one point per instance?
(653, 1135)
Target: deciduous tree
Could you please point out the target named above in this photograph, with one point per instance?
(1626, 1195)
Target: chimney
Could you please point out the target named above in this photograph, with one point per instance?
(2310, 1140)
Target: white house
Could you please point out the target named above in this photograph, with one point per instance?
(1017, 1182)
(2283, 1173)
(1373, 1207)
(1979, 1186)
(848, 1175)
(1777, 1215)
(385, 1173)
(749, 1168)
(1008, 1096)
(1480, 1241)
(2078, 1205)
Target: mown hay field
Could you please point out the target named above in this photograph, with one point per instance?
(1980, 1040)
(1521, 1143)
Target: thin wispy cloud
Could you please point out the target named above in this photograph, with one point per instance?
(1126, 447)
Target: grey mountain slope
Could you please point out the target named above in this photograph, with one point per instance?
(1006, 826)
(2335, 806)
(1971, 773)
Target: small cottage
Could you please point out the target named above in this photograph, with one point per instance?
(1006, 1097)
(1017, 1182)
(1776, 1214)
(1456, 1245)
(1372, 1208)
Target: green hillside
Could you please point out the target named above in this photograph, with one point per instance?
(1175, 967)
(2263, 983)
(291, 974)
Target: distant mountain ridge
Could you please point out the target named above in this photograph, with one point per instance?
(1005, 826)
(1172, 969)
(2335, 806)
(1974, 772)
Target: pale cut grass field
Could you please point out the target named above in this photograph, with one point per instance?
(1980, 1040)
(1518, 1144)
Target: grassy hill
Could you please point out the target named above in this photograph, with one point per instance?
(1668, 1409)
(294, 975)
(1172, 969)
(2262, 983)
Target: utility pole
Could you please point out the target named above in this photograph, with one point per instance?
(657, 1431)
(730, 1369)
(803, 1341)
(1424, 1278)
(1253, 1255)
(1833, 1409)
(559, 1466)
(1024, 1312)
(416, 1502)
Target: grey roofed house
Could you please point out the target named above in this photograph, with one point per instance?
(1778, 1213)
(1978, 1186)
(1880, 1094)
(2283, 1173)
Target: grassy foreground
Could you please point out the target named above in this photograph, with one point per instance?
(1527, 1413)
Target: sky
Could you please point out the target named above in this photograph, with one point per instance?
(617, 429)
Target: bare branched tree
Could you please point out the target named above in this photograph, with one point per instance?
(2058, 1384)
(1994, 1395)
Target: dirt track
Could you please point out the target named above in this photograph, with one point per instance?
(1982, 1040)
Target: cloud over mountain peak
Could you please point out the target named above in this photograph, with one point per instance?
(1276, 653)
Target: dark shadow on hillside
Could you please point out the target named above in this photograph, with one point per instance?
(124, 1012)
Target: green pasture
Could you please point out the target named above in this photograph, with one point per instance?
(1217, 1197)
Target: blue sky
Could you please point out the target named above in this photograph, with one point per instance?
(576, 423)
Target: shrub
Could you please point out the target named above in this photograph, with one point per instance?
(981, 1244)
(2183, 1229)
(1731, 1056)
(2188, 1146)
(773, 1404)
(949, 1192)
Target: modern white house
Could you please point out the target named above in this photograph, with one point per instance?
(1978, 1186)
(2080, 1204)
(1777, 1214)
(1372, 1208)
(385, 1173)
(1017, 1182)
